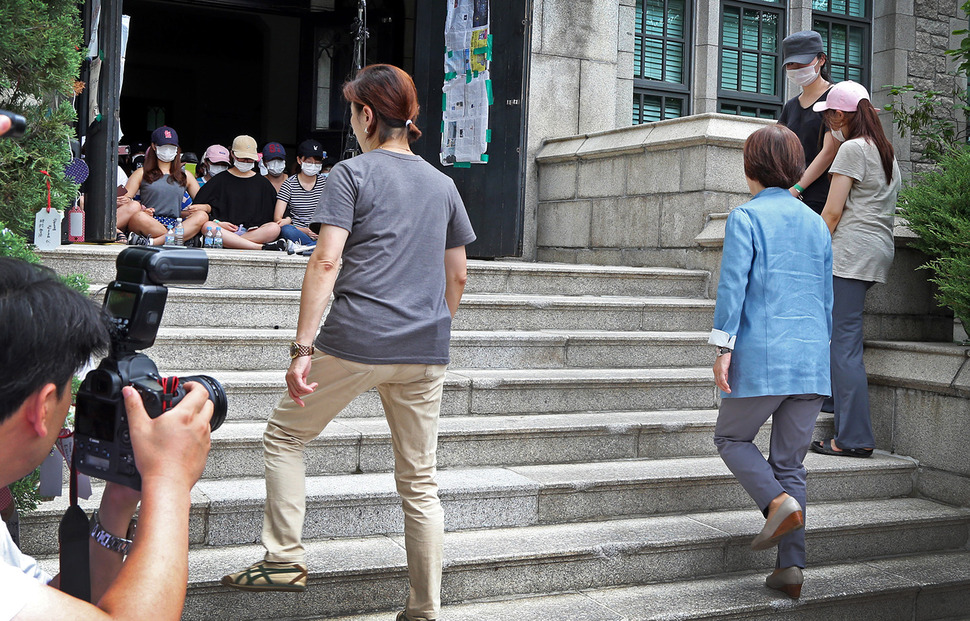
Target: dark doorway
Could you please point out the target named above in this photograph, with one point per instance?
(493, 193)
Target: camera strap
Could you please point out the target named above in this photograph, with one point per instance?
(73, 536)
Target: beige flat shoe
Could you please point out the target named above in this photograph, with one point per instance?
(788, 518)
(788, 581)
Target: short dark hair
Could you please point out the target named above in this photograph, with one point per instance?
(773, 156)
(47, 329)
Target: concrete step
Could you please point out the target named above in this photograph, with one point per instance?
(369, 574)
(240, 269)
(907, 588)
(225, 311)
(230, 511)
(472, 392)
(261, 349)
(363, 445)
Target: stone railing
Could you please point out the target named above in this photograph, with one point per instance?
(658, 195)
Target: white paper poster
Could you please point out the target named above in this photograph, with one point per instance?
(467, 90)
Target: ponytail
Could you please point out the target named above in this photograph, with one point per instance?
(864, 123)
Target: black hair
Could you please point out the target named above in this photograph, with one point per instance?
(47, 329)
(825, 71)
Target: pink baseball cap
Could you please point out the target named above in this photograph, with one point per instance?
(217, 153)
(844, 96)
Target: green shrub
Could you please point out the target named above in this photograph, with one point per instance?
(937, 207)
(40, 57)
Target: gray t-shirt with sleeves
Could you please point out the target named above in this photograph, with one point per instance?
(389, 299)
(862, 244)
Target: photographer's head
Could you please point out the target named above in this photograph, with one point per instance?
(48, 332)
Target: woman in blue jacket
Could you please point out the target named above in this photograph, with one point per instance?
(772, 325)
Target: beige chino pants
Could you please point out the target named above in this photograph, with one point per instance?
(411, 395)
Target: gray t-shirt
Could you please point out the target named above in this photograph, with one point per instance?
(862, 245)
(164, 196)
(389, 299)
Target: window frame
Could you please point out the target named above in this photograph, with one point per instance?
(659, 88)
(865, 23)
(745, 98)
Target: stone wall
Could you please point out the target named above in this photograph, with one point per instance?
(920, 401)
(658, 195)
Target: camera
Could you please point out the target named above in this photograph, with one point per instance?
(18, 125)
(133, 304)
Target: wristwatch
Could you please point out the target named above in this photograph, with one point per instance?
(297, 350)
(723, 350)
(109, 541)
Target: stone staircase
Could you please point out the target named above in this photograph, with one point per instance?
(577, 469)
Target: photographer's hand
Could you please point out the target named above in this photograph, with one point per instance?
(5, 124)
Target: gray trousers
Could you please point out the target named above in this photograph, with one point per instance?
(792, 422)
(850, 387)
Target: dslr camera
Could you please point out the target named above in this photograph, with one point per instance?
(134, 303)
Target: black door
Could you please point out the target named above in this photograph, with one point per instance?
(494, 192)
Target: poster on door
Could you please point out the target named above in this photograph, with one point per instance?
(467, 89)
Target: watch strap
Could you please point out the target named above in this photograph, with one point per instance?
(106, 539)
(297, 350)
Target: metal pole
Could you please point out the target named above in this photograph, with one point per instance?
(351, 148)
(101, 146)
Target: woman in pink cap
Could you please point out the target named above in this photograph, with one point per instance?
(859, 212)
(215, 161)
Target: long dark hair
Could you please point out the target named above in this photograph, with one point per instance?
(390, 93)
(153, 173)
(825, 71)
(864, 123)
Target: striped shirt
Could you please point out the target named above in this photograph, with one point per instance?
(300, 202)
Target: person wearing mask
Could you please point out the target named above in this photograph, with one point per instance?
(860, 211)
(170, 451)
(215, 161)
(160, 184)
(773, 347)
(274, 161)
(299, 196)
(241, 202)
(401, 229)
(807, 67)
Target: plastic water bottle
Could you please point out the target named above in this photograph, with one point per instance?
(170, 237)
(217, 241)
(179, 233)
(209, 239)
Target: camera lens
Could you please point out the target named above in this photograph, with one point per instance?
(216, 394)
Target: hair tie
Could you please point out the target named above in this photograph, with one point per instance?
(407, 123)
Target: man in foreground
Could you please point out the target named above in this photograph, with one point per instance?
(48, 332)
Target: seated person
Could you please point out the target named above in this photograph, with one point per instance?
(241, 202)
(300, 194)
(215, 161)
(274, 161)
(161, 184)
(170, 452)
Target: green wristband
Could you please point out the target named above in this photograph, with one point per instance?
(799, 188)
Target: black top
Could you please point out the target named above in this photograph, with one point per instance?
(249, 201)
(808, 126)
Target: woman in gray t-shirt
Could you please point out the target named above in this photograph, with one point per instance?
(400, 228)
(859, 212)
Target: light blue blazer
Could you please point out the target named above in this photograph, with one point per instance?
(774, 298)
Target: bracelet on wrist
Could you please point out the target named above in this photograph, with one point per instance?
(109, 541)
(723, 350)
(799, 188)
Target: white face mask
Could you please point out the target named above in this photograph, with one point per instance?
(838, 134)
(803, 76)
(244, 166)
(275, 167)
(166, 152)
(311, 170)
(215, 169)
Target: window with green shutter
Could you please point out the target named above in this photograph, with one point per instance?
(750, 59)
(846, 28)
(661, 60)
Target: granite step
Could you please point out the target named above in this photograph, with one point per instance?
(230, 511)
(231, 310)
(241, 269)
(362, 445)
(473, 392)
(369, 574)
(909, 588)
(262, 349)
